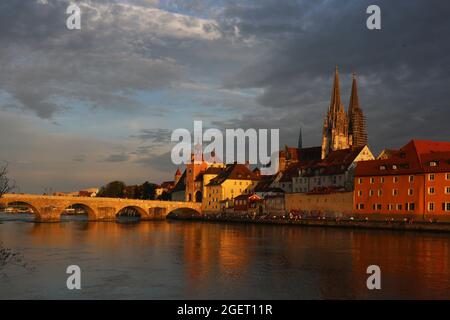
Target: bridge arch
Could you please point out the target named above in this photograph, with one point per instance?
(89, 211)
(184, 212)
(36, 212)
(126, 211)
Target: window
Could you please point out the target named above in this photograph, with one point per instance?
(446, 206)
(395, 179)
(360, 180)
(411, 178)
(447, 190)
(410, 206)
(372, 180)
(431, 190)
(447, 176)
(430, 206)
(394, 167)
(431, 177)
(360, 206)
(360, 193)
(399, 207)
(390, 207)
(382, 167)
(382, 179)
(371, 193)
(433, 163)
(410, 192)
(394, 192)
(380, 192)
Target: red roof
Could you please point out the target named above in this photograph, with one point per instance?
(415, 157)
(249, 197)
(234, 171)
(336, 162)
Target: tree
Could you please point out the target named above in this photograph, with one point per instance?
(148, 191)
(115, 189)
(165, 196)
(6, 185)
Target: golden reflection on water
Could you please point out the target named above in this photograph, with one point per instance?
(207, 260)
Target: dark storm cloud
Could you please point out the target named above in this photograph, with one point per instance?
(403, 69)
(118, 52)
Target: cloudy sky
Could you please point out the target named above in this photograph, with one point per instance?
(79, 108)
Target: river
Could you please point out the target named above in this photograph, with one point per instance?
(194, 260)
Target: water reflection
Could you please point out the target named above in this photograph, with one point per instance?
(166, 259)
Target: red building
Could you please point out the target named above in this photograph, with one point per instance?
(246, 203)
(413, 181)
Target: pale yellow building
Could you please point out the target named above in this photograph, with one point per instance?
(233, 180)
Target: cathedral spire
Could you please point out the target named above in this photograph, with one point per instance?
(336, 105)
(300, 139)
(354, 100)
(335, 129)
(357, 122)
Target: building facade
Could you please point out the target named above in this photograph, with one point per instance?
(335, 172)
(412, 181)
(234, 180)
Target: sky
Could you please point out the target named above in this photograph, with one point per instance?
(80, 108)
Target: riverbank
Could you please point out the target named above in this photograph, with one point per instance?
(329, 223)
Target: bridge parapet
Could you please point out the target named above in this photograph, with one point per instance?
(50, 208)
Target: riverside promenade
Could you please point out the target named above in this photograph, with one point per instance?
(407, 225)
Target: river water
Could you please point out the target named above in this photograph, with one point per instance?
(193, 260)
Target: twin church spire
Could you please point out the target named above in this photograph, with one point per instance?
(343, 130)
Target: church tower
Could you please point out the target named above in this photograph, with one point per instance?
(357, 122)
(300, 140)
(335, 127)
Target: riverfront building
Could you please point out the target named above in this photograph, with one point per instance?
(413, 180)
(233, 181)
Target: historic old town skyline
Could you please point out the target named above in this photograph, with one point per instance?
(83, 105)
(199, 150)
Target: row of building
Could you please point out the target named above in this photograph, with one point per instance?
(340, 177)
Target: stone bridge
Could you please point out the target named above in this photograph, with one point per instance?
(50, 208)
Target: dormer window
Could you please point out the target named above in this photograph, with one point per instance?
(433, 163)
(394, 166)
(382, 167)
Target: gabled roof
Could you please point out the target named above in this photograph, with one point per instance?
(336, 162)
(251, 197)
(234, 171)
(414, 157)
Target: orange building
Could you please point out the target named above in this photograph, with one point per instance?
(413, 181)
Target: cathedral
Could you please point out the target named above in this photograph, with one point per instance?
(343, 130)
